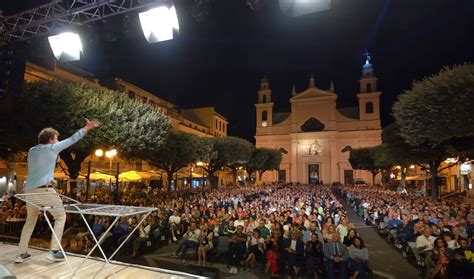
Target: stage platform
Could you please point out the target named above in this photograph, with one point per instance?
(41, 268)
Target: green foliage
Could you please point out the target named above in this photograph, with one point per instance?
(178, 151)
(363, 159)
(224, 152)
(372, 159)
(436, 115)
(135, 128)
(438, 111)
(264, 159)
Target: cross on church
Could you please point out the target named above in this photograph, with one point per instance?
(367, 57)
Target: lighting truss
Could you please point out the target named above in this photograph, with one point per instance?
(58, 14)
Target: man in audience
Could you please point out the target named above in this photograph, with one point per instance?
(336, 258)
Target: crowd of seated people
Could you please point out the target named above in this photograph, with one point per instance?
(437, 234)
(294, 230)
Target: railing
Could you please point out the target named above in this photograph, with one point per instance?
(454, 194)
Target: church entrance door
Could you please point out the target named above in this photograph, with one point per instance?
(313, 174)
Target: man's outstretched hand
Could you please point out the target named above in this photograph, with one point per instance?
(91, 124)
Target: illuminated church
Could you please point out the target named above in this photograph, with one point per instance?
(316, 136)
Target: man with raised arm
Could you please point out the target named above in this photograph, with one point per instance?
(42, 160)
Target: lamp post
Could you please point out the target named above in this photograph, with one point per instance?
(97, 153)
(201, 164)
(111, 154)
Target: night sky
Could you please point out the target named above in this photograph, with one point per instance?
(220, 61)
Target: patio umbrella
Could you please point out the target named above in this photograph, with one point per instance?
(100, 176)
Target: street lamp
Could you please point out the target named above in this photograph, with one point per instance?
(201, 164)
(110, 154)
(98, 153)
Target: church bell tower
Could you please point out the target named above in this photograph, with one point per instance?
(265, 105)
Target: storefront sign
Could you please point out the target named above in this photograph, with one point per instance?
(465, 168)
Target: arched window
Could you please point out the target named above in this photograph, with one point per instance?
(264, 115)
(264, 98)
(369, 87)
(369, 107)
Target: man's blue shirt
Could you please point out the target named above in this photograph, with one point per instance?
(42, 160)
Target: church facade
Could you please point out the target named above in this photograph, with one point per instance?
(316, 136)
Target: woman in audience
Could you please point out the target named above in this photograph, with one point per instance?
(205, 243)
(255, 246)
(349, 238)
(272, 256)
(359, 256)
(342, 228)
(331, 230)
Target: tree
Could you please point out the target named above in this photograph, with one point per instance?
(437, 110)
(433, 116)
(178, 151)
(364, 159)
(383, 159)
(262, 160)
(133, 127)
(224, 152)
(399, 152)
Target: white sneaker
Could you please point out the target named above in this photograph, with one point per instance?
(175, 239)
(22, 258)
(55, 257)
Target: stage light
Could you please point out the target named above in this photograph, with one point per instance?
(303, 7)
(66, 46)
(158, 24)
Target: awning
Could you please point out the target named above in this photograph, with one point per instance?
(415, 178)
(100, 176)
(60, 175)
(135, 176)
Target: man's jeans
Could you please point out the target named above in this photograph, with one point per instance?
(184, 246)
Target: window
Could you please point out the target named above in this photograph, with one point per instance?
(369, 87)
(369, 107)
(216, 123)
(264, 98)
(264, 115)
(220, 126)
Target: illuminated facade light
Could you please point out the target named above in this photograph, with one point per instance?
(66, 46)
(159, 23)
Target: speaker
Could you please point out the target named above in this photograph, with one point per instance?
(5, 273)
(208, 272)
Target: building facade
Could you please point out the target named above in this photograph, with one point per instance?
(316, 136)
(203, 122)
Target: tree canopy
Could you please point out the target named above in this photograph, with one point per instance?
(435, 116)
(264, 159)
(438, 110)
(368, 158)
(178, 151)
(224, 152)
(133, 127)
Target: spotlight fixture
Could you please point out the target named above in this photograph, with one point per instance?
(66, 46)
(159, 23)
(303, 7)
